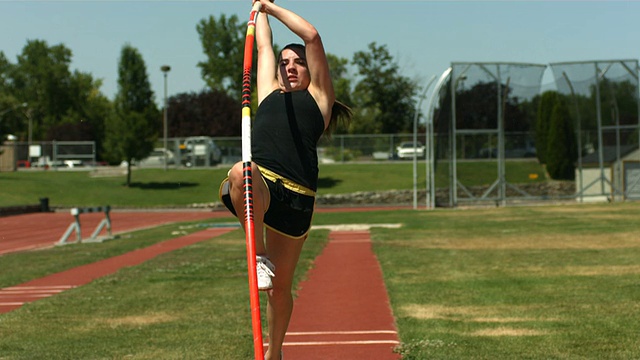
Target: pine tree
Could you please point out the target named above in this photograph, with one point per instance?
(561, 152)
(543, 124)
(133, 129)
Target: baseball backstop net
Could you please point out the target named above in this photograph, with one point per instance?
(484, 102)
(606, 111)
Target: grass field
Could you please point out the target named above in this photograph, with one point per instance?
(159, 188)
(544, 282)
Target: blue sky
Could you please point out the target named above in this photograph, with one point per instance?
(423, 36)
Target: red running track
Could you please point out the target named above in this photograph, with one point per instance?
(41, 230)
(342, 311)
(14, 297)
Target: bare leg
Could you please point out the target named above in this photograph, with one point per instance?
(260, 200)
(284, 252)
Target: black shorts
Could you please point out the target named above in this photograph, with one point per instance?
(290, 211)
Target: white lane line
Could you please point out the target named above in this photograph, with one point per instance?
(18, 292)
(355, 227)
(39, 287)
(11, 303)
(342, 342)
(363, 332)
(24, 296)
(350, 241)
(361, 342)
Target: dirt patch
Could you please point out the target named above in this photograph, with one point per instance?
(140, 320)
(506, 331)
(502, 320)
(595, 270)
(479, 314)
(537, 242)
(494, 314)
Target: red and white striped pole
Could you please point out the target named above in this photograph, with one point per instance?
(247, 186)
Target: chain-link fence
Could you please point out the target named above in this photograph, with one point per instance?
(606, 111)
(384, 147)
(485, 111)
(478, 112)
(49, 154)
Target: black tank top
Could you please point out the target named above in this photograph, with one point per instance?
(285, 136)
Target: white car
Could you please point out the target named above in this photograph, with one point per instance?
(406, 150)
(157, 158)
(200, 151)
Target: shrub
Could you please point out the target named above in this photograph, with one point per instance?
(543, 124)
(561, 150)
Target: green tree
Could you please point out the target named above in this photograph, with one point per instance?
(382, 92)
(62, 104)
(42, 78)
(341, 81)
(5, 68)
(133, 129)
(548, 101)
(561, 152)
(223, 41)
(223, 44)
(7, 101)
(208, 113)
(85, 118)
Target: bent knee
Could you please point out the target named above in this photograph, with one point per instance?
(236, 173)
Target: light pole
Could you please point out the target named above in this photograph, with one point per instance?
(415, 142)
(29, 118)
(165, 70)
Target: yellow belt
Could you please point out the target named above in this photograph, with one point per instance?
(293, 186)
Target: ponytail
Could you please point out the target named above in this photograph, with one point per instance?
(340, 114)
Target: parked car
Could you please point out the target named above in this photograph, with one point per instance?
(492, 153)
(157, 158)
(528, 151)
(46, 162)
(73, 163)
(200, 151)
(406, 150)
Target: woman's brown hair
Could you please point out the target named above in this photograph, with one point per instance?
(340, 113)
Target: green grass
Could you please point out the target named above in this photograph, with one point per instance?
(526, 283)
(544, 282)
(159, 188)
(189, 304)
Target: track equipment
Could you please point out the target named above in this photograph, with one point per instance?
(247, 186)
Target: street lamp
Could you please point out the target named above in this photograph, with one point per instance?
(165, 69)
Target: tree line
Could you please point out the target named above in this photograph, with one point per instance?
(64, 104)
(43, 99)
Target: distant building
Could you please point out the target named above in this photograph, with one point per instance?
(618, 180)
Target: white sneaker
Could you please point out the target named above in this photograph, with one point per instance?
(264, 269)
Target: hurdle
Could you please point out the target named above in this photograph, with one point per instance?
(75, 225)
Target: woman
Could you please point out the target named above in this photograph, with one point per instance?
(296, 105)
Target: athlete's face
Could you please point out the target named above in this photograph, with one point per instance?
(293, 73)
